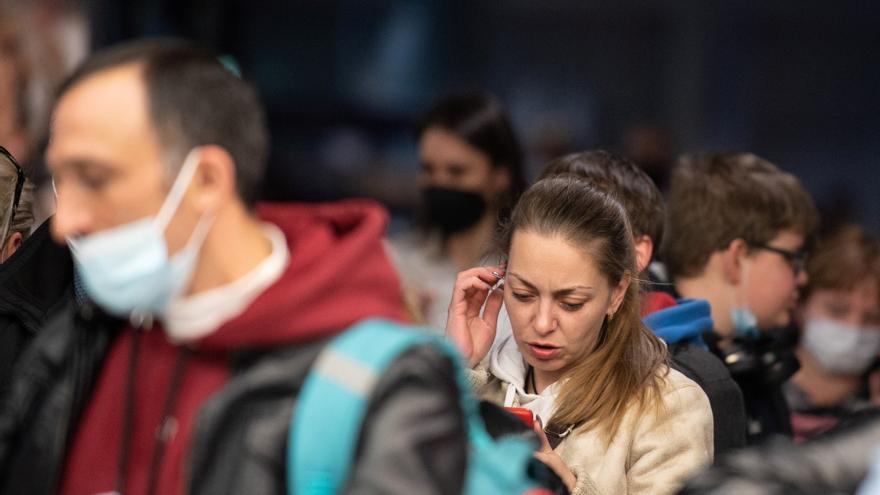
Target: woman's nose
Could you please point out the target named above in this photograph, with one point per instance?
(545, 321)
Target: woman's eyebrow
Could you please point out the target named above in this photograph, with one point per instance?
(556, 293)
(523, 281)
(570, 290)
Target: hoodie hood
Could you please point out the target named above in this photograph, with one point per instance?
(338, 274)
(507, 364)
(684, 322)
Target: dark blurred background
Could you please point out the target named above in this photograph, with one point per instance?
(344, 81)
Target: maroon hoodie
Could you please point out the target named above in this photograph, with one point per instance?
(338, 274)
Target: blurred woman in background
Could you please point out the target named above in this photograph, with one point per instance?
(470, 175)
(840, 332)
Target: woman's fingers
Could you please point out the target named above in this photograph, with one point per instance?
(489, 274)
(471, 331)
(538, 426)
(473, 280)
(493, 307)
(475, 292)
(472, 287)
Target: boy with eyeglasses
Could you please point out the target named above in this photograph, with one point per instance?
(736, 234)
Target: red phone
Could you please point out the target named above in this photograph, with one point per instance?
(524, 415)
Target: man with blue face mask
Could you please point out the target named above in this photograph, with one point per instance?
(735, 237)
(204, 311)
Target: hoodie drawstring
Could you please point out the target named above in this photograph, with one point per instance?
(510, 395)
(167, 428)
(128, 419)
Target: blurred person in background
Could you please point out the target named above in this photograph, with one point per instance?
(613, 416)
(843, 462)
(839, 317)
(206, 310)
(41, 41)
(736, 235)
(651, 148)
(470, 176)
(35, 274)
(16, 205)
(14, 134)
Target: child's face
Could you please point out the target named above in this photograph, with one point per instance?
(858, 307)
(771, 284)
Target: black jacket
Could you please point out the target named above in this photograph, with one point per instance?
(760, 368)
(412, 442)
(725, 397)
(33, 282)
(679, 325)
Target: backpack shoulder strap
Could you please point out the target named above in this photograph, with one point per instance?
(327, 419)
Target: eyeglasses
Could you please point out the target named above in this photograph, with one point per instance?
(796, 259)
(19, 181)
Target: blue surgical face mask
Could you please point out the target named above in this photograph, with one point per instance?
(841, 348)
(127, 270)
(745, 323)
(742, 318)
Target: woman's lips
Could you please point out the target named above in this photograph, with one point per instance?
(544, 351)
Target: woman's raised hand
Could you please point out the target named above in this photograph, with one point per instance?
(470, 329)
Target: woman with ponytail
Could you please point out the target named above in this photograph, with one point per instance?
(612, 416)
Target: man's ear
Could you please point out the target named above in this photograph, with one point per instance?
(732, 258)
(644, 251)
(13, 242)
(214, 183)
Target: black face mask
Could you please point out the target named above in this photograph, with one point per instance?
(452, 210)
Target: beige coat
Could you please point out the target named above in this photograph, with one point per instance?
(650, 454)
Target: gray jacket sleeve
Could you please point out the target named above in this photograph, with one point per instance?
(835, 463)
(413, 438)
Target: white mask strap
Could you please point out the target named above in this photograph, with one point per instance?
(201, 232)
(178, 189)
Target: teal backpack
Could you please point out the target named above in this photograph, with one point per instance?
(331, 406)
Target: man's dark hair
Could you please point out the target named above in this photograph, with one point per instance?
(622, 179)
(193, 100)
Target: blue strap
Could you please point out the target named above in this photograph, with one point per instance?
(327, 420)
